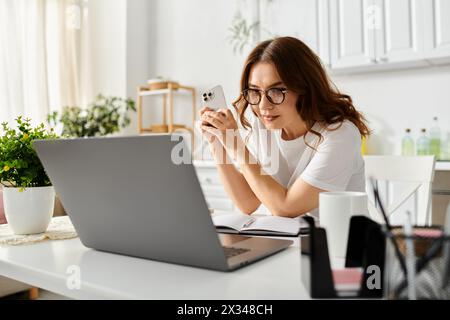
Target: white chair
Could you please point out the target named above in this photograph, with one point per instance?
(416, 173)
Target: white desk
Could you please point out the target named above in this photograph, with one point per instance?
(111, 276)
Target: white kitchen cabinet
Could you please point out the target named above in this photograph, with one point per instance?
(400, 36)
(351, 41)
(214, 193)
(437, 31)
(306, 20)
(364, 35)
(370, 35)
(213, 190)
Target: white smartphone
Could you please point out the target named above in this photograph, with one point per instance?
(214, 98)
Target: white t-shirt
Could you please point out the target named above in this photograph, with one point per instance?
(335, 165)
(291, 150)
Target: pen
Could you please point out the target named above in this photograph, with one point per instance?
(249, 222)
(410, 266)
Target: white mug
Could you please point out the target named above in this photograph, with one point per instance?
(335, 211)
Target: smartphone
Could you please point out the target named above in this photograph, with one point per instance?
(214, 98)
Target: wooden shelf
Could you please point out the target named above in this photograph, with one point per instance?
(168, 103)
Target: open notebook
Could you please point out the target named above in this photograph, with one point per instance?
(236, 222)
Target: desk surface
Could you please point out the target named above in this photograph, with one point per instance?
(109, 276)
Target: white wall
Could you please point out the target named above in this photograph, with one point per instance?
(190, 46)
(120, 43)
(187, 42)
(393, 101)
(138, 51)
(108, 46)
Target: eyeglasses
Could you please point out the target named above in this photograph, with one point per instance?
(274, 95)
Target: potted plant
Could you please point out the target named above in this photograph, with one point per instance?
(106, 115)
(28, 194)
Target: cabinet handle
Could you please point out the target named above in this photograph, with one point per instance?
(374, 60)
(208, 180)
(384, 59)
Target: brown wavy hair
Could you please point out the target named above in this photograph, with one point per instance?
(303, 73)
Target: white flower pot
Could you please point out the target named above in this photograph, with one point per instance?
(29, 211)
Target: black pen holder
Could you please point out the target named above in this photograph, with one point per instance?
(365, 251)
(430, 261)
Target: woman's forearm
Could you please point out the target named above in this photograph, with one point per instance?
(274, 196)
(271, 193)
(234, 183)
(252, 186)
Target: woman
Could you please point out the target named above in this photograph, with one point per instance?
(294, 118)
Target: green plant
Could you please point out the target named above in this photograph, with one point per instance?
(104, 116)
(19, 163)
(241, 33)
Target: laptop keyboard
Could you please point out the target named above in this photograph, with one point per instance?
(232, 252)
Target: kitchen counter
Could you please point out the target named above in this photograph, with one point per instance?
(442, 166)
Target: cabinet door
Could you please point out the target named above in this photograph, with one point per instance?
(351, 37)
(306, 20)
(215, 195)
(437, 29)
(400, 36)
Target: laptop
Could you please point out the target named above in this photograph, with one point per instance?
(125, 195)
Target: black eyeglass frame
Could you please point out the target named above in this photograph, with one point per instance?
(261, 92)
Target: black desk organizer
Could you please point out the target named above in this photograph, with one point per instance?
(365, 247)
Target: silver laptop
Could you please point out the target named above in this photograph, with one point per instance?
(125, 195)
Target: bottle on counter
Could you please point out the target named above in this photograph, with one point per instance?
(363, 146)
(445, 148)
(435, 139)
(423, 144)
(407, 144)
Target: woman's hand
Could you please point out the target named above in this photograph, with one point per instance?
(218, 123)
(217, 150)
(221, 129)
(206, 134)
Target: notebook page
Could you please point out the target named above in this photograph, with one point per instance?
(274, 223)
(233, 220)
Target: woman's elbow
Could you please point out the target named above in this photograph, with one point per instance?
(249, 208)
(285, 211)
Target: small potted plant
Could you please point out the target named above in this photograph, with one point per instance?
(106, 115)
(28, 195)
